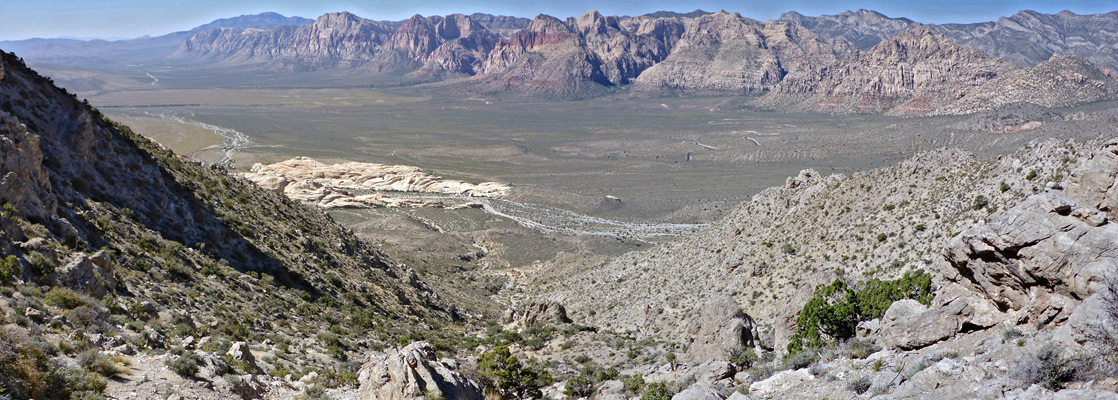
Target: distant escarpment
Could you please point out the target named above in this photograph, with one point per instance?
(1026, 38)
(577, 57)
(864, 28)
(727, 54)
(914, 73)
(428, 47)
(1059, 82)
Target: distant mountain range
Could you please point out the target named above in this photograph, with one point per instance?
(853, 62)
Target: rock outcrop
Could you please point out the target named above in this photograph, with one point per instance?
(538, 314)
(915, 73)
(329, 185)
(1040, 258)
(1029, 38)
(413, 373)
(722, 331)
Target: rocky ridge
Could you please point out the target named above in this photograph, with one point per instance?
(864, 28)
(1061, 81)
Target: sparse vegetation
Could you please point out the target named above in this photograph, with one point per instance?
(185, 364)
(1049, 368)
(836, 309)
(657, 391)
(505, 376)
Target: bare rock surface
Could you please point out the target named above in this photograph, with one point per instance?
(722, 331)
(413, 373)
(329, 185)
(1038, 256)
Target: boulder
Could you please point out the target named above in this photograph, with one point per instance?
(413, 373)
(539, 313)
(1088, 321)
(241, 353)
(1094, 183)
(699, 394)
(907, 324)
(611, 390)
(722, 330)
(245, 386)
(92, 276)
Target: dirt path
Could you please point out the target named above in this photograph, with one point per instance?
(552, 219)
(234, 140)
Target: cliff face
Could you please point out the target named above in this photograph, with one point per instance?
(914, 73)
(727, 54)
(333, 40)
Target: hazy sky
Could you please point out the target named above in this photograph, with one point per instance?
(132, 18)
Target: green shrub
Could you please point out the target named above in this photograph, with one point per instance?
(859, 349)
(93, 361)
(836, 309)
(657, 391)
(579, 386)
(633, 383)
(980, 202)
(63, 297)
(186, 365)
(800, 359)
(859, 385)
(745, 358)
(9, 269)
(42, 265)
(1010, 333)
(505, 376)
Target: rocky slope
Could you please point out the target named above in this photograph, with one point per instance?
(769, 253)
(727, 54)
(1059, 82)
(864, 28)
(914, 73)
(1008, 252)
(124, 232)
(1027, 38)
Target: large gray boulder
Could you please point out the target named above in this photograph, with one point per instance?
(538, 313)
(1094, 183)
(1039, 258)
(722, 329)
(907, 324)
(413, 373)
(92, 275)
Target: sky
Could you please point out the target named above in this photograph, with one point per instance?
(116, 19)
